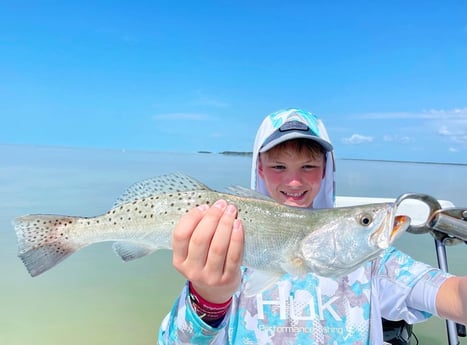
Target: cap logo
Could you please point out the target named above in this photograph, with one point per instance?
(294, 126)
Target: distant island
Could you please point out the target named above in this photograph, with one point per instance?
(230, 153)
(249, 154)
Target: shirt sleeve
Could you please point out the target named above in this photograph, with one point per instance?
(407, 288)
(183, 326)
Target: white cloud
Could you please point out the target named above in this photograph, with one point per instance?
(357, 139)
(202, 99)
(454, 129)
(450, 124)
(181, 116)
(210, 102)
(402, 139)
(431, 114)
(444, 131)
(388, 116)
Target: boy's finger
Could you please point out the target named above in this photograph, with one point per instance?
(220, 242)
(202, 236)
(235, 253)
(182, 233)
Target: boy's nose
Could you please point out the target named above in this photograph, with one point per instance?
(294, 180)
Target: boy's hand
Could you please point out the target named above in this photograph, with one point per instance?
(208, 248)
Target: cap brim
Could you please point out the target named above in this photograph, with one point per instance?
(296, 135)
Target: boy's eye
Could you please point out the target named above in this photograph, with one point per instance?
(278, 167)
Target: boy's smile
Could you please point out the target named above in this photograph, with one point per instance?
(294, 196)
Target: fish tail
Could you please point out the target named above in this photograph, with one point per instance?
(43, 241)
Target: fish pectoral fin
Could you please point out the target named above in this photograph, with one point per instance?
(295, 267)
(132, 250)
(260, 281)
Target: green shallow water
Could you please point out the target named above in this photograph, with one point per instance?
(95, 298)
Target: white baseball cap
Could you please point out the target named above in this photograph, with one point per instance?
(294, 124)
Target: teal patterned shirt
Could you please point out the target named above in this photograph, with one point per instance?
(315, 310)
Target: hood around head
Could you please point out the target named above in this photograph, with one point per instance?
(290, 124)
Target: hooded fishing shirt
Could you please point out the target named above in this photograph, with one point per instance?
(314, 310)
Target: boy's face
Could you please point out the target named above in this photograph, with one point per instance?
(292, 176)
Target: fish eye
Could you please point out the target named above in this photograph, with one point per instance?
(365, 219)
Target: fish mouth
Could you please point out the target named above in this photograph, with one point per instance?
(389, 231)
(401, 224)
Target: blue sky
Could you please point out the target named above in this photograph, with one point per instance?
(389, 78)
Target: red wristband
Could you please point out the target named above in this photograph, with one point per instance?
(211, 313)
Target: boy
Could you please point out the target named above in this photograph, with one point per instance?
(293, 164)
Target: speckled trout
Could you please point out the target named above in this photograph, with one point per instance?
(278, 238)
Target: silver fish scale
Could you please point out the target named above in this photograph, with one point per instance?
(268, 237)
(150, 218)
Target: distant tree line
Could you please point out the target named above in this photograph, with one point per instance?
(231, 153)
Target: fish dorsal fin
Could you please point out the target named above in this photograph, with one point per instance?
(247, 193)
(176, 182)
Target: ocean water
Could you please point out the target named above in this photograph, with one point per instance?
(93, 297)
